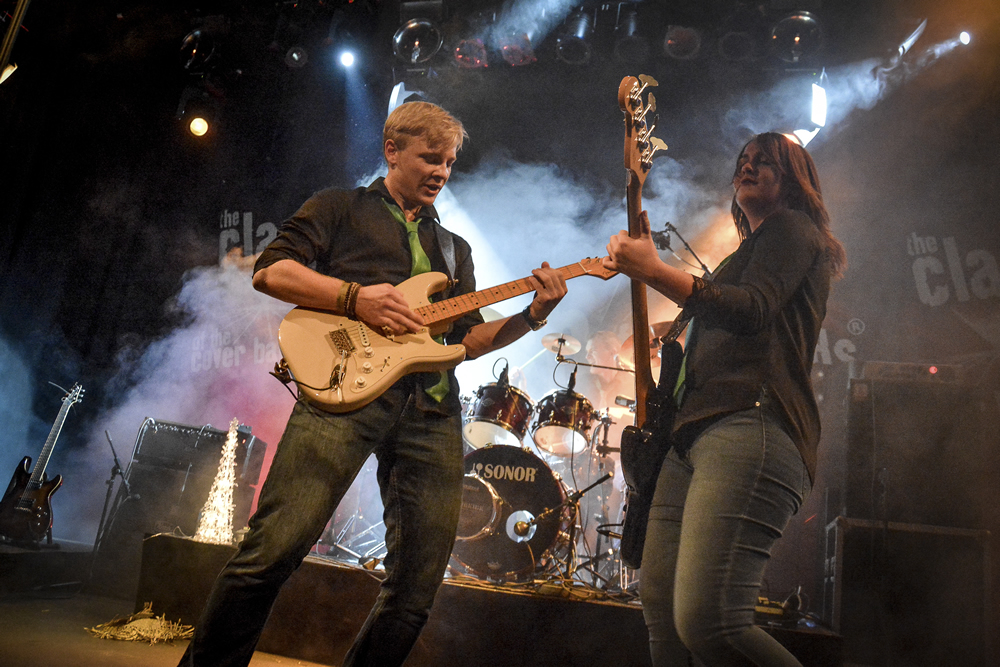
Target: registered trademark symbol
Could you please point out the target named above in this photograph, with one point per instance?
(855, 327)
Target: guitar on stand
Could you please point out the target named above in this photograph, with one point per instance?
(644, 445)
(25, 511)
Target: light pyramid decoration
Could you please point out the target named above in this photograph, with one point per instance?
(215, 525)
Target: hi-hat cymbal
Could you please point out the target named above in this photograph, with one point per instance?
(561, 343)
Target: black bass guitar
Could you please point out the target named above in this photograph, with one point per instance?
(25, 511)
(643, 445)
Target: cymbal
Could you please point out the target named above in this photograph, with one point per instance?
(570, 345)
(656, 330)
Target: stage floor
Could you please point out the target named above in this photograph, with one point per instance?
(44, 613)
(41, 632)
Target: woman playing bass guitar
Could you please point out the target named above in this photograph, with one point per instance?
(747, 427)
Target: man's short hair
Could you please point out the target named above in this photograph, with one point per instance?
(423, 119)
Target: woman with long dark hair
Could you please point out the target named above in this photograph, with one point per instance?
(747, 427)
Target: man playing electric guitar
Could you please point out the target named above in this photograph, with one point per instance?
(362, 242)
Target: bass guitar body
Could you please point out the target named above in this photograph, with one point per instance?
(642, 454)
(26, 510)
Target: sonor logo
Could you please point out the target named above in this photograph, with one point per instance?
(513, 473)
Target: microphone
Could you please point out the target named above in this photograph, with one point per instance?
(521, 528)
(502, 383)
(572, 379)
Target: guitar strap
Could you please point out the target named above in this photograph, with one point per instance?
(447, 244)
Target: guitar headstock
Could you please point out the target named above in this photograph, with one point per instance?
(594, 266)
(640, 144)
(74, 395)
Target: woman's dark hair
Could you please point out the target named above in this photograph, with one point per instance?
(799, 190)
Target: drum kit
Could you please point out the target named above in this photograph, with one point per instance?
(519, 519)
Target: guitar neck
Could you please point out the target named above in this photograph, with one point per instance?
(644, 384)
(453, 308)
(38, 471)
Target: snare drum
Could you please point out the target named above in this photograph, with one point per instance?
(504, 486)
(562, 423)
(497, 416)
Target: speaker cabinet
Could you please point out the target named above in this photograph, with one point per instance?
(907, 594)
(170, 475)
(919, 452)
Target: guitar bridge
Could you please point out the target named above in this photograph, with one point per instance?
(342, 341)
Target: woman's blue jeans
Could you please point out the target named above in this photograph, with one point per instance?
(716, 513)
(420, 469)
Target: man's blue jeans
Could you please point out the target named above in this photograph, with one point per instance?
(716, 513)
(420, 469)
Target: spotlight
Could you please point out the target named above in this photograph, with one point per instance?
(197, 51)
(471, 54)
(573, 46)
(795, 37)
(296, 57)
(630, 46)
(964, 38)
(516, 49)
(417, 41)
(7, 71)
(347, 59)
(681, 42)
(198, 126)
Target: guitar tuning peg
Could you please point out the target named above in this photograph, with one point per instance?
(651, 106)
(648, 80)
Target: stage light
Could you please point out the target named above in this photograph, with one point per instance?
(630, 46)
(347, 59)
(197, 51)
(417, 41)
(795, 37)
(573, 46)
(964, 38)
(516, 49)
(7, 71)
(296, 57)
(819, 103)
(198, 126)
(471, 54)
(681, 42)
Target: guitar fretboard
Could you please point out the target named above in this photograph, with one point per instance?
(455, 307)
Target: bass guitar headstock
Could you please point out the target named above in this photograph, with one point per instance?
(640, 144)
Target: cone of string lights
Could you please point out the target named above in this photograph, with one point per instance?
(215, 525)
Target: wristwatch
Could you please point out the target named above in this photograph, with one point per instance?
(533, 324)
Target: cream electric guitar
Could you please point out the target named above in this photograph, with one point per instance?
(341, 364)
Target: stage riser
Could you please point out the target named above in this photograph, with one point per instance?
(323, 605)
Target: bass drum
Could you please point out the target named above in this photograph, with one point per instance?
(562, 423)
(501, 531)
(497, 416)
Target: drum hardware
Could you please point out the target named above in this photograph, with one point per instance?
(625, 402)
(605, 424)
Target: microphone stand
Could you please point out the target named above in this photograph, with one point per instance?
(662, 241)
(116, 471)
(522, 527)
